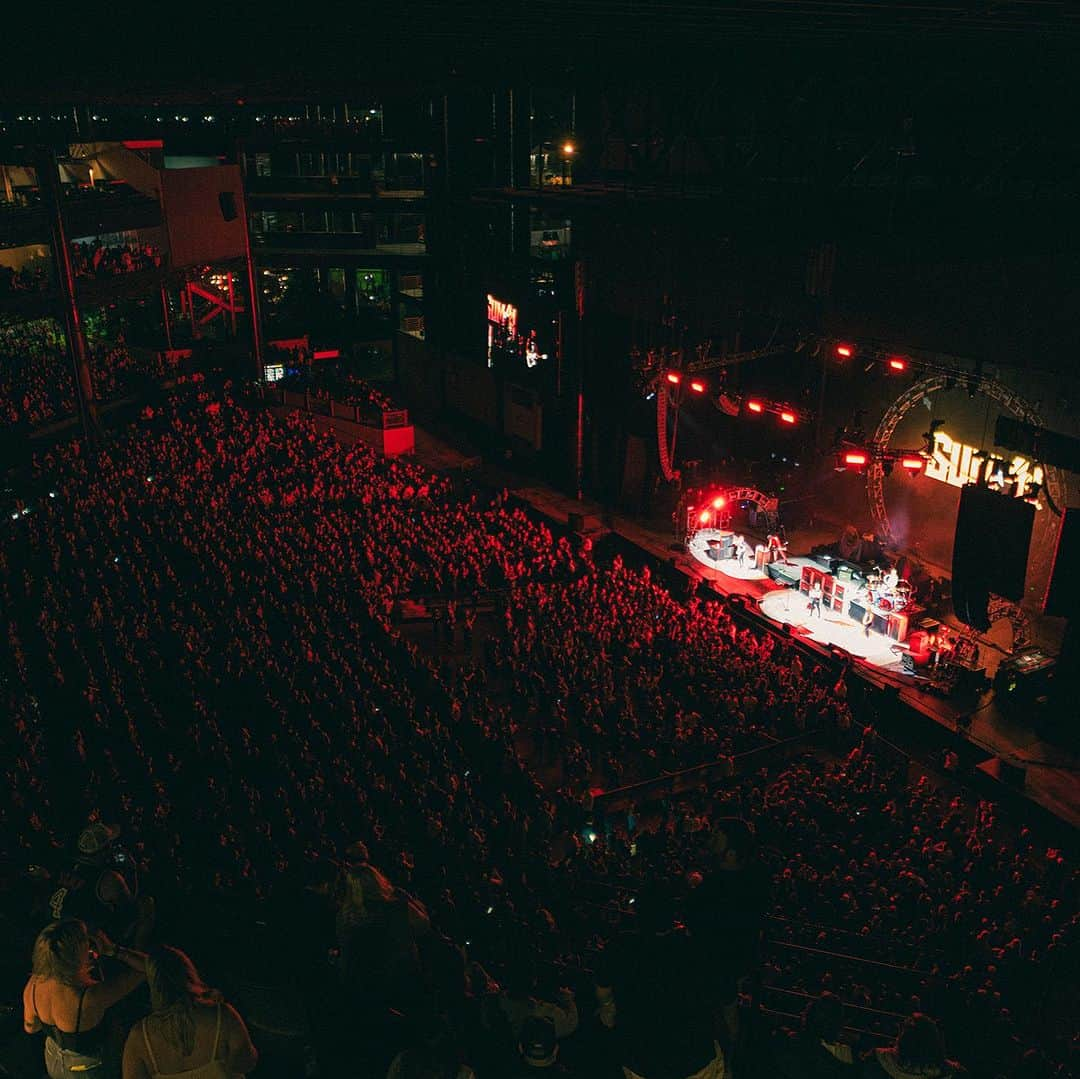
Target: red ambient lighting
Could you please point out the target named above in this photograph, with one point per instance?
(697, 385)
(912, 464)
(704, 516)
(787, 417)
(719, 502)
(674, 377)
(143, 144)
(898, 363)
(845, 352)
(855, 459)
(328, 354)
(755, 406)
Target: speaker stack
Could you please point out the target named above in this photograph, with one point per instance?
(990, 552)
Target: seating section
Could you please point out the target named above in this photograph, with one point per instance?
(205, 643)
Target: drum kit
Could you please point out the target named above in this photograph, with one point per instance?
(887, 592)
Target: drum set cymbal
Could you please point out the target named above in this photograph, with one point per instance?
(887, 596)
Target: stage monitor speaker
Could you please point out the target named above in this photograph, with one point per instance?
(1012, 775)
(990, 551)
(1064, 584)
(227, 204)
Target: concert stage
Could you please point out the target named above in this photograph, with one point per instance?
(789, 606)
(717, 540)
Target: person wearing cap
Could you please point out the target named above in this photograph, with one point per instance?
(538, 1050)
(819, 1051)
(97, 892)
(659, 994)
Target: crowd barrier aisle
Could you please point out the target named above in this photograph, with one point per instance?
(388, 430)
(705, 775)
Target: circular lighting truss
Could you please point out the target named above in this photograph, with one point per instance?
(691, 519)
(875, 473)
(909, 399)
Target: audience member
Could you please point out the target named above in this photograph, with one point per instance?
(211, 604)
(190, 1030)
(66, 1001)
(919, 1053)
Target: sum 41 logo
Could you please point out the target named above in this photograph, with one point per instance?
(958, 465)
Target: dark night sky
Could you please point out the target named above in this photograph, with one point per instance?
(97, 50)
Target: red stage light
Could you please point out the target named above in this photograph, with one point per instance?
(898, 363)
(787, 417)
(719, 502)
(845, 352)
(912, 464)
(704, 516)
(855, 459)
(327, 354)
(697, 385)
(674, 377)
(755, 406)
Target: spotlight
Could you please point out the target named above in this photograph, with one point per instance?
(674, 377)
(845, 352)
(787, 417)
(755, 406)
(912, 463)
(719, 502)
(704, 516)
(697, 385)
(855, 460)
(897, 363)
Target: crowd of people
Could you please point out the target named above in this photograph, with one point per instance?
(27, 279)
(203, 642)
(92, 258)
(89, 259)
(345, 386)
(37, 384)
(36, 381)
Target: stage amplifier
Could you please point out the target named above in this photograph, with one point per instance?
(1025, 677)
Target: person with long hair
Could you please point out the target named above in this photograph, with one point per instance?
(64, 999)
(190, 1032)
(378, 930)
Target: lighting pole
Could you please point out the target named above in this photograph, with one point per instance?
(75, 333)
(568, 151)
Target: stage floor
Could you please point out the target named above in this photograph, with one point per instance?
(698, 547)
(789, 606)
